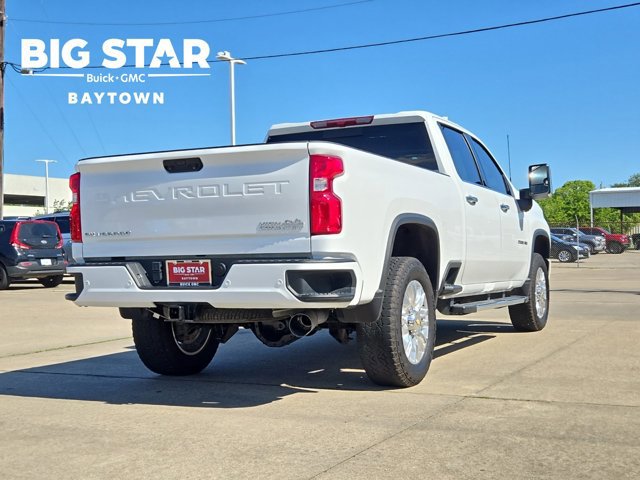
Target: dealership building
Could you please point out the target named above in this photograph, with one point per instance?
(24, 195)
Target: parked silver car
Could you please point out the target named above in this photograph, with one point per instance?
(595, 243)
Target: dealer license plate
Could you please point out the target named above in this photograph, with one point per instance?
(188, 273)
(46, 262)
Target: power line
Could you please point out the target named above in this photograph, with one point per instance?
(17, 67)
(55, 104)
(39, 122)
(192, 22)
(445, 35)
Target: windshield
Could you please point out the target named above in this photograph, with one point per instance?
(405, 142)
(38, 234)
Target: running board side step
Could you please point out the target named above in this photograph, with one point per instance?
(449, 289)
(473, 307)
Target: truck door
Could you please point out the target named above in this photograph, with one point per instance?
(515, 247)
(482, 263)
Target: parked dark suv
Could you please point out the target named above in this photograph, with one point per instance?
(62, 219)
(31, 249)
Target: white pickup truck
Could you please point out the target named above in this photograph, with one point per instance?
(365, 224)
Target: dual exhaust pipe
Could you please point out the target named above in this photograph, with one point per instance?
(299, 324)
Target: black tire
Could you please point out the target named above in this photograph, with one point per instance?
(5, 281)
(566, 256)
(380, 343)
(615, 248)
(532, 316)
(51, 282)
(159, 348)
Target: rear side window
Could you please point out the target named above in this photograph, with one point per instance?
(461, 155)
(38, 234)
(63, 223)
(492, 175)
(405, 142)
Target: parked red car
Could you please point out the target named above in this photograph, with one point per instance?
(616, 242)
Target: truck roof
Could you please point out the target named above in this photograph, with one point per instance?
(379, 119)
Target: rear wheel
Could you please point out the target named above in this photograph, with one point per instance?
(532, 316)
(397, 348)
(50, 282)
(4, 279)
(565, 256)
(171, 348)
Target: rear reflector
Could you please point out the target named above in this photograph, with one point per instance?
(342, 122)
(325, 206)
(74, 216)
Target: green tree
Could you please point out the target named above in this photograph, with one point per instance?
(58, 206)
(571, 200)
(634, 181)
(61, 206)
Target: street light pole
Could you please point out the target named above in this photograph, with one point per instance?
(46, 183)
(226, 56)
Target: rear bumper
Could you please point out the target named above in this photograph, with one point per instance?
(37, 272)
(259, 285)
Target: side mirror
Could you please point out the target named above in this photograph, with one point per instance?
(539, 181)
(539, 186)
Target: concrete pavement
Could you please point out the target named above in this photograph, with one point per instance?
(75, 402)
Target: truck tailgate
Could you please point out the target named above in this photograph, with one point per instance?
(244, 200)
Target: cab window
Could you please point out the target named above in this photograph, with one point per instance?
(492, 175)
(461, 155)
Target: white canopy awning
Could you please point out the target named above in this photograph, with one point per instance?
(625, 198)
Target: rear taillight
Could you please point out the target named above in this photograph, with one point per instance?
(74, 216)
(60, 241)
(15, 238)
(325, 206)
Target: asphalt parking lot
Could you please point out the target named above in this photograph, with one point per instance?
(75, 402)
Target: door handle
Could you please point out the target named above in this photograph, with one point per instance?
(471, 200)
(504, 207)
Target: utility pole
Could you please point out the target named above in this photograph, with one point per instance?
(46, 183)
(509, 155)
(226, 57)
(3, 20)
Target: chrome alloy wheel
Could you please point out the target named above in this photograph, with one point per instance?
(541, 294)
(415, 322)
(564, 256)
(190, 339)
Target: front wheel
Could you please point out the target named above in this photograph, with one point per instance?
(397, 348)
(615, 247)
(171, 348)
(532, 316)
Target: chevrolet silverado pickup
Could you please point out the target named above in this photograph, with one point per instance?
(362, 225)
